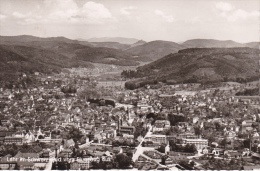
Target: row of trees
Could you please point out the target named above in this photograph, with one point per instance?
(175, 119)
(72, 133)
(218, 164)
(69, 89)
(248, 92)
(120, 161)
(131, 85)
(130, 74)
(140, 130)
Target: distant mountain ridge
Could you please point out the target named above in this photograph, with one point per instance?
(213, 43)
(121, 40)
(154, 50)
(100, 52)
(114, 45)
(140, 42)
(209, 43)
(30, 53)
(255, 45)
(31, 39)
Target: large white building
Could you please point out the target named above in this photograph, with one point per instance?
(198, 142)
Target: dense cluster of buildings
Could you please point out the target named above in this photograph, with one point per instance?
(156, 128)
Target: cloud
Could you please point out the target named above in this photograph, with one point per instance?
(127, 10)
(67, 11)
(167, 18)
(95, 10)
(61, 9)
(224, 6)
(20, 15)
(2, 17)
(232, 14)
(241, 14)
(195, 20)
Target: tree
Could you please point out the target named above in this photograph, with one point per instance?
(246, 143)
(161, 148)
(140, 130)
(185, 164)
(174, 119)
(192, 163)
(123, 161)
(89, 94)
(224, 142)
(164, 157)
(226, 156)
(232, 161)
(102, 165)
(192, 148)
(197, 130)
(238, 145)
(74, 134)
(41, 137)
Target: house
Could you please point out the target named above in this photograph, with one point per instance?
(69, 143)
(232, 154)
(205, 150)
(166, 160)
(182, 135)
(230, 134)
(117, 150)
(256, 156)
(65, 153)
(198, 142)
(246, 125)
(75, 166)
(13, 140)
(156, 139)
(161, 125)
(174, 153)
(216, 151)
(45, 154)
(127, 129)
(3, 134)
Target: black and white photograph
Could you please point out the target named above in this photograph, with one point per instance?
(130, 85)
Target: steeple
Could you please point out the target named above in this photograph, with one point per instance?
(167, 148)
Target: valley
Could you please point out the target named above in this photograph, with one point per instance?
(148, 101)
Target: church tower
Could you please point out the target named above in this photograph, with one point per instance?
(167, 148)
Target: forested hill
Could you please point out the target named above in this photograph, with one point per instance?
(154, 50)
(16, 59)
(205, 64)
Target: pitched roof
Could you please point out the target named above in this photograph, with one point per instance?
(70, 142)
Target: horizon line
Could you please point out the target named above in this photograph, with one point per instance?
(86, 39)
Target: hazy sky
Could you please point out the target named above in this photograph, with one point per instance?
(174, 20)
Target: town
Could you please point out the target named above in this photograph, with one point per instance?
(69, 121)
(129, 85)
